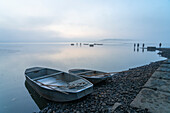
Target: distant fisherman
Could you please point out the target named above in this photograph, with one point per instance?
(134, 45)
(138, 45)
(143, 45)
(160, 45)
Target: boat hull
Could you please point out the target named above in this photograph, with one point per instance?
(91, 79)
(57, 96)
(94, 80)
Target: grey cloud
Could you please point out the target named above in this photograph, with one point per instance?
(12, 35)
(141, 19)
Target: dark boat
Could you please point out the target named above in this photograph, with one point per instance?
(56, 85)
(91, 75)
(91, 45)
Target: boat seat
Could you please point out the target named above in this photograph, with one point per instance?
(45, 76)
(84, 72)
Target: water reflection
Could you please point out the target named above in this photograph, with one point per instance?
(142, 49)
(109, 58)
(137, 49)
(5, 51)
(40, 101)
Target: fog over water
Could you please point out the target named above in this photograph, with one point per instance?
(15, 58)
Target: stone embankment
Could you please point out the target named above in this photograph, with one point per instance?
(112, 95)
(155, 95)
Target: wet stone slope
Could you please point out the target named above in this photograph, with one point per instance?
(119, 90)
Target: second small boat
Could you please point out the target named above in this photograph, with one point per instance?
(91, 75)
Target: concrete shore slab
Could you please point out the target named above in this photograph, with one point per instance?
(155, 96)
(165, 69)
(168, 60)
(154, 101)
(159, 84)
(159, 74)
(165, 65)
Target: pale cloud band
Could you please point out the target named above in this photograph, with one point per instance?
(63, 19)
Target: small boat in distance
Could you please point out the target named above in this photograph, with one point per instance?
(91, 45)
(91, 75)
(85, 44)
(98, 44)
(56, 85)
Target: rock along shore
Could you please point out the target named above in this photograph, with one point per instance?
(112, 95)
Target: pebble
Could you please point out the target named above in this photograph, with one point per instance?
(121, 88)
(49, 111)
(103, 104)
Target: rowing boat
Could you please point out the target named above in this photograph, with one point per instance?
(91, 75)
(56, 85)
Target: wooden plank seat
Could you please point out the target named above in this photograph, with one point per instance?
(84, 72)
(45, 76)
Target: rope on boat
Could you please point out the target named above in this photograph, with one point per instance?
(77, 85)
(105, 74)
(49, 86)
(69, 86)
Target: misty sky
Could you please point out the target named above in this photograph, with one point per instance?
(60, 20)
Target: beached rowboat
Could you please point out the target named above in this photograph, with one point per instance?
(91, 75)
(57, 85)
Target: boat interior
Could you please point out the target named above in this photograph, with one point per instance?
(87, 72)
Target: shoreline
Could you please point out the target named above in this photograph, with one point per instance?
(121, 89)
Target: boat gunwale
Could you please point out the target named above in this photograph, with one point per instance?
(31, 69)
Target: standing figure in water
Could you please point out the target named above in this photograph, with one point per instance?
(143, 45)
(160, 45)
(134, 45)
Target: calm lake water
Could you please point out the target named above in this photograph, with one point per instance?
(15, 58)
